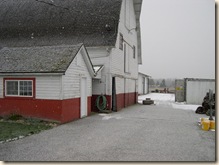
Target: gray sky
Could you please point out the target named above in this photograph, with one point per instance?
(178, 38)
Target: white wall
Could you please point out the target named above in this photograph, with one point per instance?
(120, 85)
(143, 84)
(197, 89)
(61, 87)
(125, 81)
(72, 78)
(140, 84)
(146, 85)
(113, 58)
(48, 87)
(126, 23)
(101, 56)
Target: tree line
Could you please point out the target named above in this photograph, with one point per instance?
(162, 82)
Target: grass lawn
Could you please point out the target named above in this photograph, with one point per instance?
(12, 129)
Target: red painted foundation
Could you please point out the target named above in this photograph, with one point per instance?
(57, 110)
(122, 100)
(126, 99)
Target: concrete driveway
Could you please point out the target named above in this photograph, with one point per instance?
(136, 133)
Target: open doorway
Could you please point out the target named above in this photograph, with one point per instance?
(114, 107)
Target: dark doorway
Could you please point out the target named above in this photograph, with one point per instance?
(114, 108)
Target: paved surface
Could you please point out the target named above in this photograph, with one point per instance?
(137, 133)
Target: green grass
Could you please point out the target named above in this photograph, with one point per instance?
(10, 130)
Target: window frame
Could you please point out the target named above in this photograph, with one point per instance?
(134, 51)
(32, 80)
(121, 41)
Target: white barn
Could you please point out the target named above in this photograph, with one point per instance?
(110, 30)
(143, 84)
(119, 76)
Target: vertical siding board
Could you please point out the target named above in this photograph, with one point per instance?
(101, 56)
(197, 89)
(131, 38)
(140, 87)
(48, 87)
(72, 78)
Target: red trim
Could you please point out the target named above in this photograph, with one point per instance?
(46, 109)
(20, 97)
(71, 110)
(57, 110)
(126, 99)
(122, 100)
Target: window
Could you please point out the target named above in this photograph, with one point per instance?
(121, 41)
(134, 52)
(19, 88)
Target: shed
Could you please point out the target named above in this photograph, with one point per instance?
(143, 84)
(48, 82)
(193, 90)
(196, 89)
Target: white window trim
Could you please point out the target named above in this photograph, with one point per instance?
(18, 89)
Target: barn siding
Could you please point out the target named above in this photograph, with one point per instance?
(113, 61)
(96, 52)
(130, 38)
(101, 56)
(48, 87)
(197, 89)
(126, 76)
(143, 84)
(146, 85)
(140, 84)
(71, 79)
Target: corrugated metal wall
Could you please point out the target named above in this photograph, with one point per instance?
(196, 90)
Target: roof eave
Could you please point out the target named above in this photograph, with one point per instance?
(31, 73)
(88, 61)
(137, 7)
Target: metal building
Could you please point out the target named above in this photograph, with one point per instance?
(192, 90)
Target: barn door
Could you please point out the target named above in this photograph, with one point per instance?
(114, 94)
(83, 102)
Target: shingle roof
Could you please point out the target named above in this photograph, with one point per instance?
(46, 59)
(56, 22)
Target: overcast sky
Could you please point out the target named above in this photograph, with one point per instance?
(178, 38)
